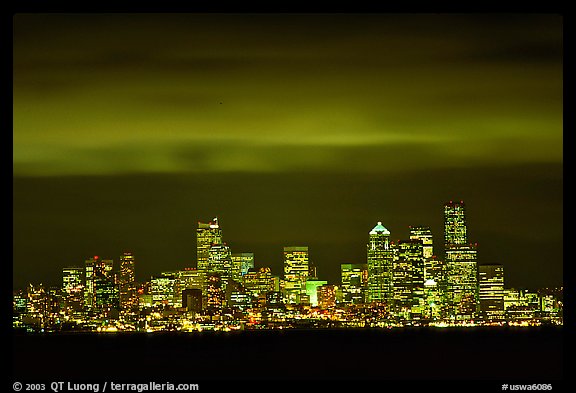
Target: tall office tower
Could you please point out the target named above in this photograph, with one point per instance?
(163, 290)
(36, 301)
(127, 282)
(73, 289)
(433, 274)
(216, 295)
(53, 306)
(354, 280)
(326, 296)
(424, 234)
(408, 280)
(258, 281)
(100, 291)
(461, 260)
(241, 263)
(462, 282)
(296, 271)
(455, 231)
(491, 291)
(207, 234)
(220, 261)
(380, 257)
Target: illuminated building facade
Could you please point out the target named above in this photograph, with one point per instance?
(241, 263)
(520, 304)
(127, 282)
(408, 280)
(19, 302)
(163, 290)
(215, 294)
(455, 230)
(462, 282)
(312, 286)
(207, 234)
(551, 303)
(404, 283)
(258, 281)
(240, 300)
(461, 260)
(100, 290)
(326, 296)
(424, 234)
(434, 289)
(491, 291)
(354, 280)
(191, 278)
(433, 301)
(36, 304)
(220, 261)
(296, 270)
(380, 259)
(73, 289)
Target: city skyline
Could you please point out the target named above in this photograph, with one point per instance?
(211, 234)
(401, 284)
(435, 243)
(295, 129)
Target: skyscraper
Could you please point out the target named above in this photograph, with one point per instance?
(100, 291)
(424, 234)
(455, 231)
(434, 288)
(461, 264)
(354, 279)
(491, 291)
(380, 258)
(127, 282)
(73, 289)
(408, 280)
(207, 234)
(296, 271)
(220, 261)
(215, 294)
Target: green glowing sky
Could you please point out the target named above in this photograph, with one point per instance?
(181, 105)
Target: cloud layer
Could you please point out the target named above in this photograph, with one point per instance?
(108, 94)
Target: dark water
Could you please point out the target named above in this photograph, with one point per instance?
(533, 354)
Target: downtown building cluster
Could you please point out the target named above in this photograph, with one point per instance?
(400, 284)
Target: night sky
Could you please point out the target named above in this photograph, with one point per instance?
(293, 129)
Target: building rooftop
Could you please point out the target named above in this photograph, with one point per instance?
(379, 229)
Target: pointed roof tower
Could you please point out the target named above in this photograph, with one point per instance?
(379, 229)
